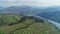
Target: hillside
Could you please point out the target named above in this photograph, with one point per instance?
(20, 24)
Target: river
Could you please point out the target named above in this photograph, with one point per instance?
(55, 24)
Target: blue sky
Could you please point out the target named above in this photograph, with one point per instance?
(29, 2)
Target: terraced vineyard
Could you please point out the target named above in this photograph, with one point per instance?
(19, 24)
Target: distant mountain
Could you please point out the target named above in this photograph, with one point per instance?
(55, 16)
(23, 10)
(51, 12)
(30, 9)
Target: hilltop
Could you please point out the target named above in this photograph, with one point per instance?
(21, 24)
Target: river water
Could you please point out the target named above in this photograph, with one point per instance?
(55, 24)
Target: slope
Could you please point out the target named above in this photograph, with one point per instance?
(26, 25)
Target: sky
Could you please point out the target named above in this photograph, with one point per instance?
(29, 2)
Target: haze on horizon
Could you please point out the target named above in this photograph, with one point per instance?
(29, 2)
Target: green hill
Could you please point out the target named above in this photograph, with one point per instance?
(20, 24)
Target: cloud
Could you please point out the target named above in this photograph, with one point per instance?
(50, 2)
(29, 2)
(8, 0)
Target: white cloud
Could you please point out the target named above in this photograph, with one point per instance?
(10, 0)
(51, 2)
(31, 2)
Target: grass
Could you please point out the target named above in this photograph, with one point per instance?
(28, 26)
(38, 28)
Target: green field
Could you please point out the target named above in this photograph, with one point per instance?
(19, 24)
